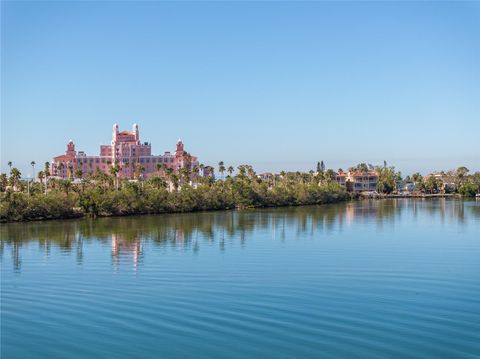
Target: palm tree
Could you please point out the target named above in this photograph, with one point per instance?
(157, 182)
(66, 185)
(330, 175)
(209, 171)
(114, 171)
(250, 172)
(41, 176)
(138, 170)
(33, 169)
(416, 177)
(230, 170)
(174, 178)
(70, 170)
(103, 179)
(136, 167)
(169, 174)
(221, 168)
(461, 173)
(142, 171)
(159, 168)
(188, 161)
(78, 173)
(14, 177)
(196, 170)
(3, 182)
(47, 174)
(10, 165)
(127, 166)
(242, 171)
(61, 166)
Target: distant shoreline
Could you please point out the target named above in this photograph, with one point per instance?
(107, 194)
(415, 195)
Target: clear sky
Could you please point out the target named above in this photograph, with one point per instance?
(276, 85)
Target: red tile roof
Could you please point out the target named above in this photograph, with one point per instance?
(63, 158)
(361, 174)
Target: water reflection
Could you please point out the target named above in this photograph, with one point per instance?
(127, 236)
(125, 250)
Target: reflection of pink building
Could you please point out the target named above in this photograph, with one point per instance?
(123, 250)
(133, 158)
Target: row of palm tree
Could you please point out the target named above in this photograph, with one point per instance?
(188, 173)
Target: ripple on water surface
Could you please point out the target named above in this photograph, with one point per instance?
(386, 279)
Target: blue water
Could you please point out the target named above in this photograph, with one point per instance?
(369, 279)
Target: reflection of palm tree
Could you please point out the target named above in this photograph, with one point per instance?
(16, 257)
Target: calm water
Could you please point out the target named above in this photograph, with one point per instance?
(379, 279)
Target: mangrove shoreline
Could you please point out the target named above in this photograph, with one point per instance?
(106, 195)
(134, 198)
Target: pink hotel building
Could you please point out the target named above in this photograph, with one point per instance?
(127, 152)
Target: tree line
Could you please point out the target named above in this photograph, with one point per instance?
(106, 194)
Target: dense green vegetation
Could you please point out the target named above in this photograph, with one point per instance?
(455, 181)
(107, 195)
(103, 194)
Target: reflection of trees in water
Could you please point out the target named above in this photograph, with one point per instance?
(126, 235)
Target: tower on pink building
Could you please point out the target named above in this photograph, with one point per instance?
(133, 158)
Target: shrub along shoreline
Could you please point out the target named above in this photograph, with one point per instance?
(105, 194)
(67, 200)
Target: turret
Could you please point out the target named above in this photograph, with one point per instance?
(114, 133)
(71, 149)
(179, 147)
(135, 131)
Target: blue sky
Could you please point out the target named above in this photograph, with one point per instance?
(277, 85)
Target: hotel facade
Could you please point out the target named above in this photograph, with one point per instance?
(133, 158)
(358, 181)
